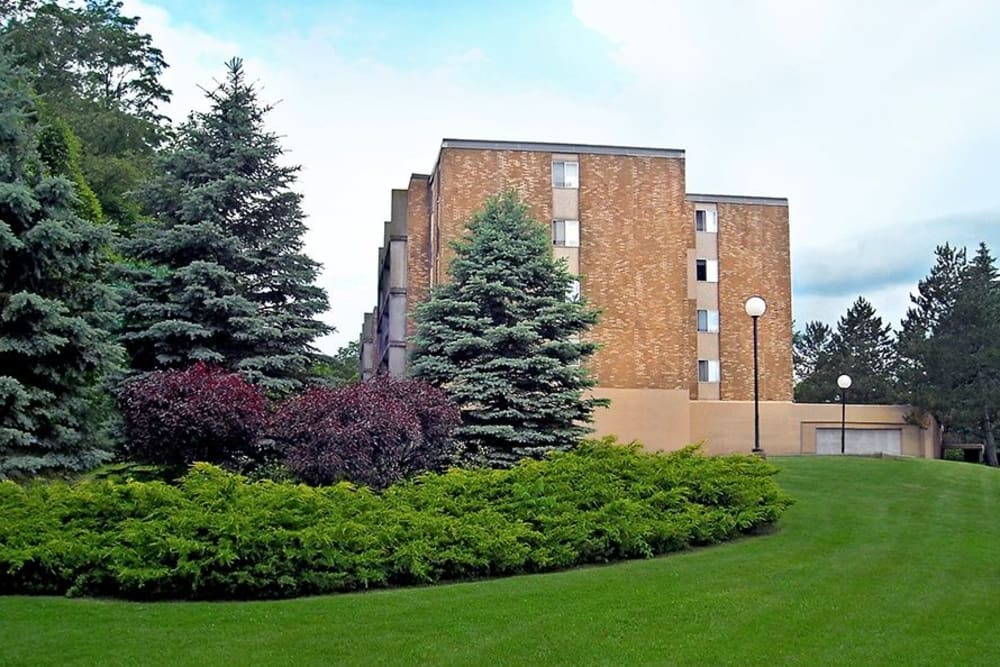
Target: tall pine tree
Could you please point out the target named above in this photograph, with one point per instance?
(954, 355)
(54, 310)
(502, 339)
(810, 355)
(221, 275)
(934, 300)
(861, 346)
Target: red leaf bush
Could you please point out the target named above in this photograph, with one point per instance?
(201, 413)
(373, 433)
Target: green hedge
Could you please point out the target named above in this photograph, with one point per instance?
(218, 535)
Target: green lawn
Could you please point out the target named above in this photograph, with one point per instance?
(888, 562)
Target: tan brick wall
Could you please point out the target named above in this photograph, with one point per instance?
(636, 228)
(417, 247)
(467, 178)
(665, 420)
(754, 259)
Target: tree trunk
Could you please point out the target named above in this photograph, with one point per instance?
(989, 444)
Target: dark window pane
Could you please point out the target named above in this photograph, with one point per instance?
(702, 270)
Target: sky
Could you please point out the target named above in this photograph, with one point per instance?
(880, 121)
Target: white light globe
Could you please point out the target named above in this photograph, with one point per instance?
(844, 382)
(755, 306)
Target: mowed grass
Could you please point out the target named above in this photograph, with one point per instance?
(887, 562)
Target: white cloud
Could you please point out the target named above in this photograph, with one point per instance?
(855, 111)
(858, 112)
(359, 128)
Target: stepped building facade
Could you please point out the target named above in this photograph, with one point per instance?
(670, 271)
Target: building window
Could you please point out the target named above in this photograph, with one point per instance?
(708, 320)
(706, 221)
(707, 270)
(573, 293)
(566, 174)
(566, 233)
(708, 370)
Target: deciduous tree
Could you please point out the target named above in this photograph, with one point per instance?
(95, 69)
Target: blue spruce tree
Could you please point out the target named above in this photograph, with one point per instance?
(218, 274)
(502, 338)
(55, 310)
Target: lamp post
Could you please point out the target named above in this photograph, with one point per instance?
(755, 307)
(844, 382)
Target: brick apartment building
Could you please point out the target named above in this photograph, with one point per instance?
(669, 270)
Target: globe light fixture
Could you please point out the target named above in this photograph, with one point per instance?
(755, 306)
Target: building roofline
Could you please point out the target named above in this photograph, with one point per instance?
(737, 199)
(546, 147)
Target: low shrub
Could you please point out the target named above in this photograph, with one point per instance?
(953, 455)
(202, 413)
(373, 433)
(218, 535)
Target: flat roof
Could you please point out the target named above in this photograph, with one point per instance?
(738, 199)
(546, 147)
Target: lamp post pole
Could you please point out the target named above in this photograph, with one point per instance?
(844, 382)
(755, 307)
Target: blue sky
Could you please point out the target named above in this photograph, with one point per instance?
(522, 43)
(879, 121)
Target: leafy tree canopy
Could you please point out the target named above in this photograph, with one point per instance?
(95, 69)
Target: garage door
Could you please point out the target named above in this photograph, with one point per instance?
(859, 441)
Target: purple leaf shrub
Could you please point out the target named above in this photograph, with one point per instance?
(373, 433)
(201, 413)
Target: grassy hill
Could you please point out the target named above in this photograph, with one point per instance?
(880, 562)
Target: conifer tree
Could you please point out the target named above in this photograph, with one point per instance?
(933, 301)
(954, 356)
(502, 339)
(810, 354)
(54, 310)
(861, 346)
(222, 277)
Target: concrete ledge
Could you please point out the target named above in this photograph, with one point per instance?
(545, 147)
(738, 199)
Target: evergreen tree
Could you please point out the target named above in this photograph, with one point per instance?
(54, 310)
(955, 356)
(59, 150)
(502, 339)
(934, 300)
(861, 347)
(810, 354)
(221, 275)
